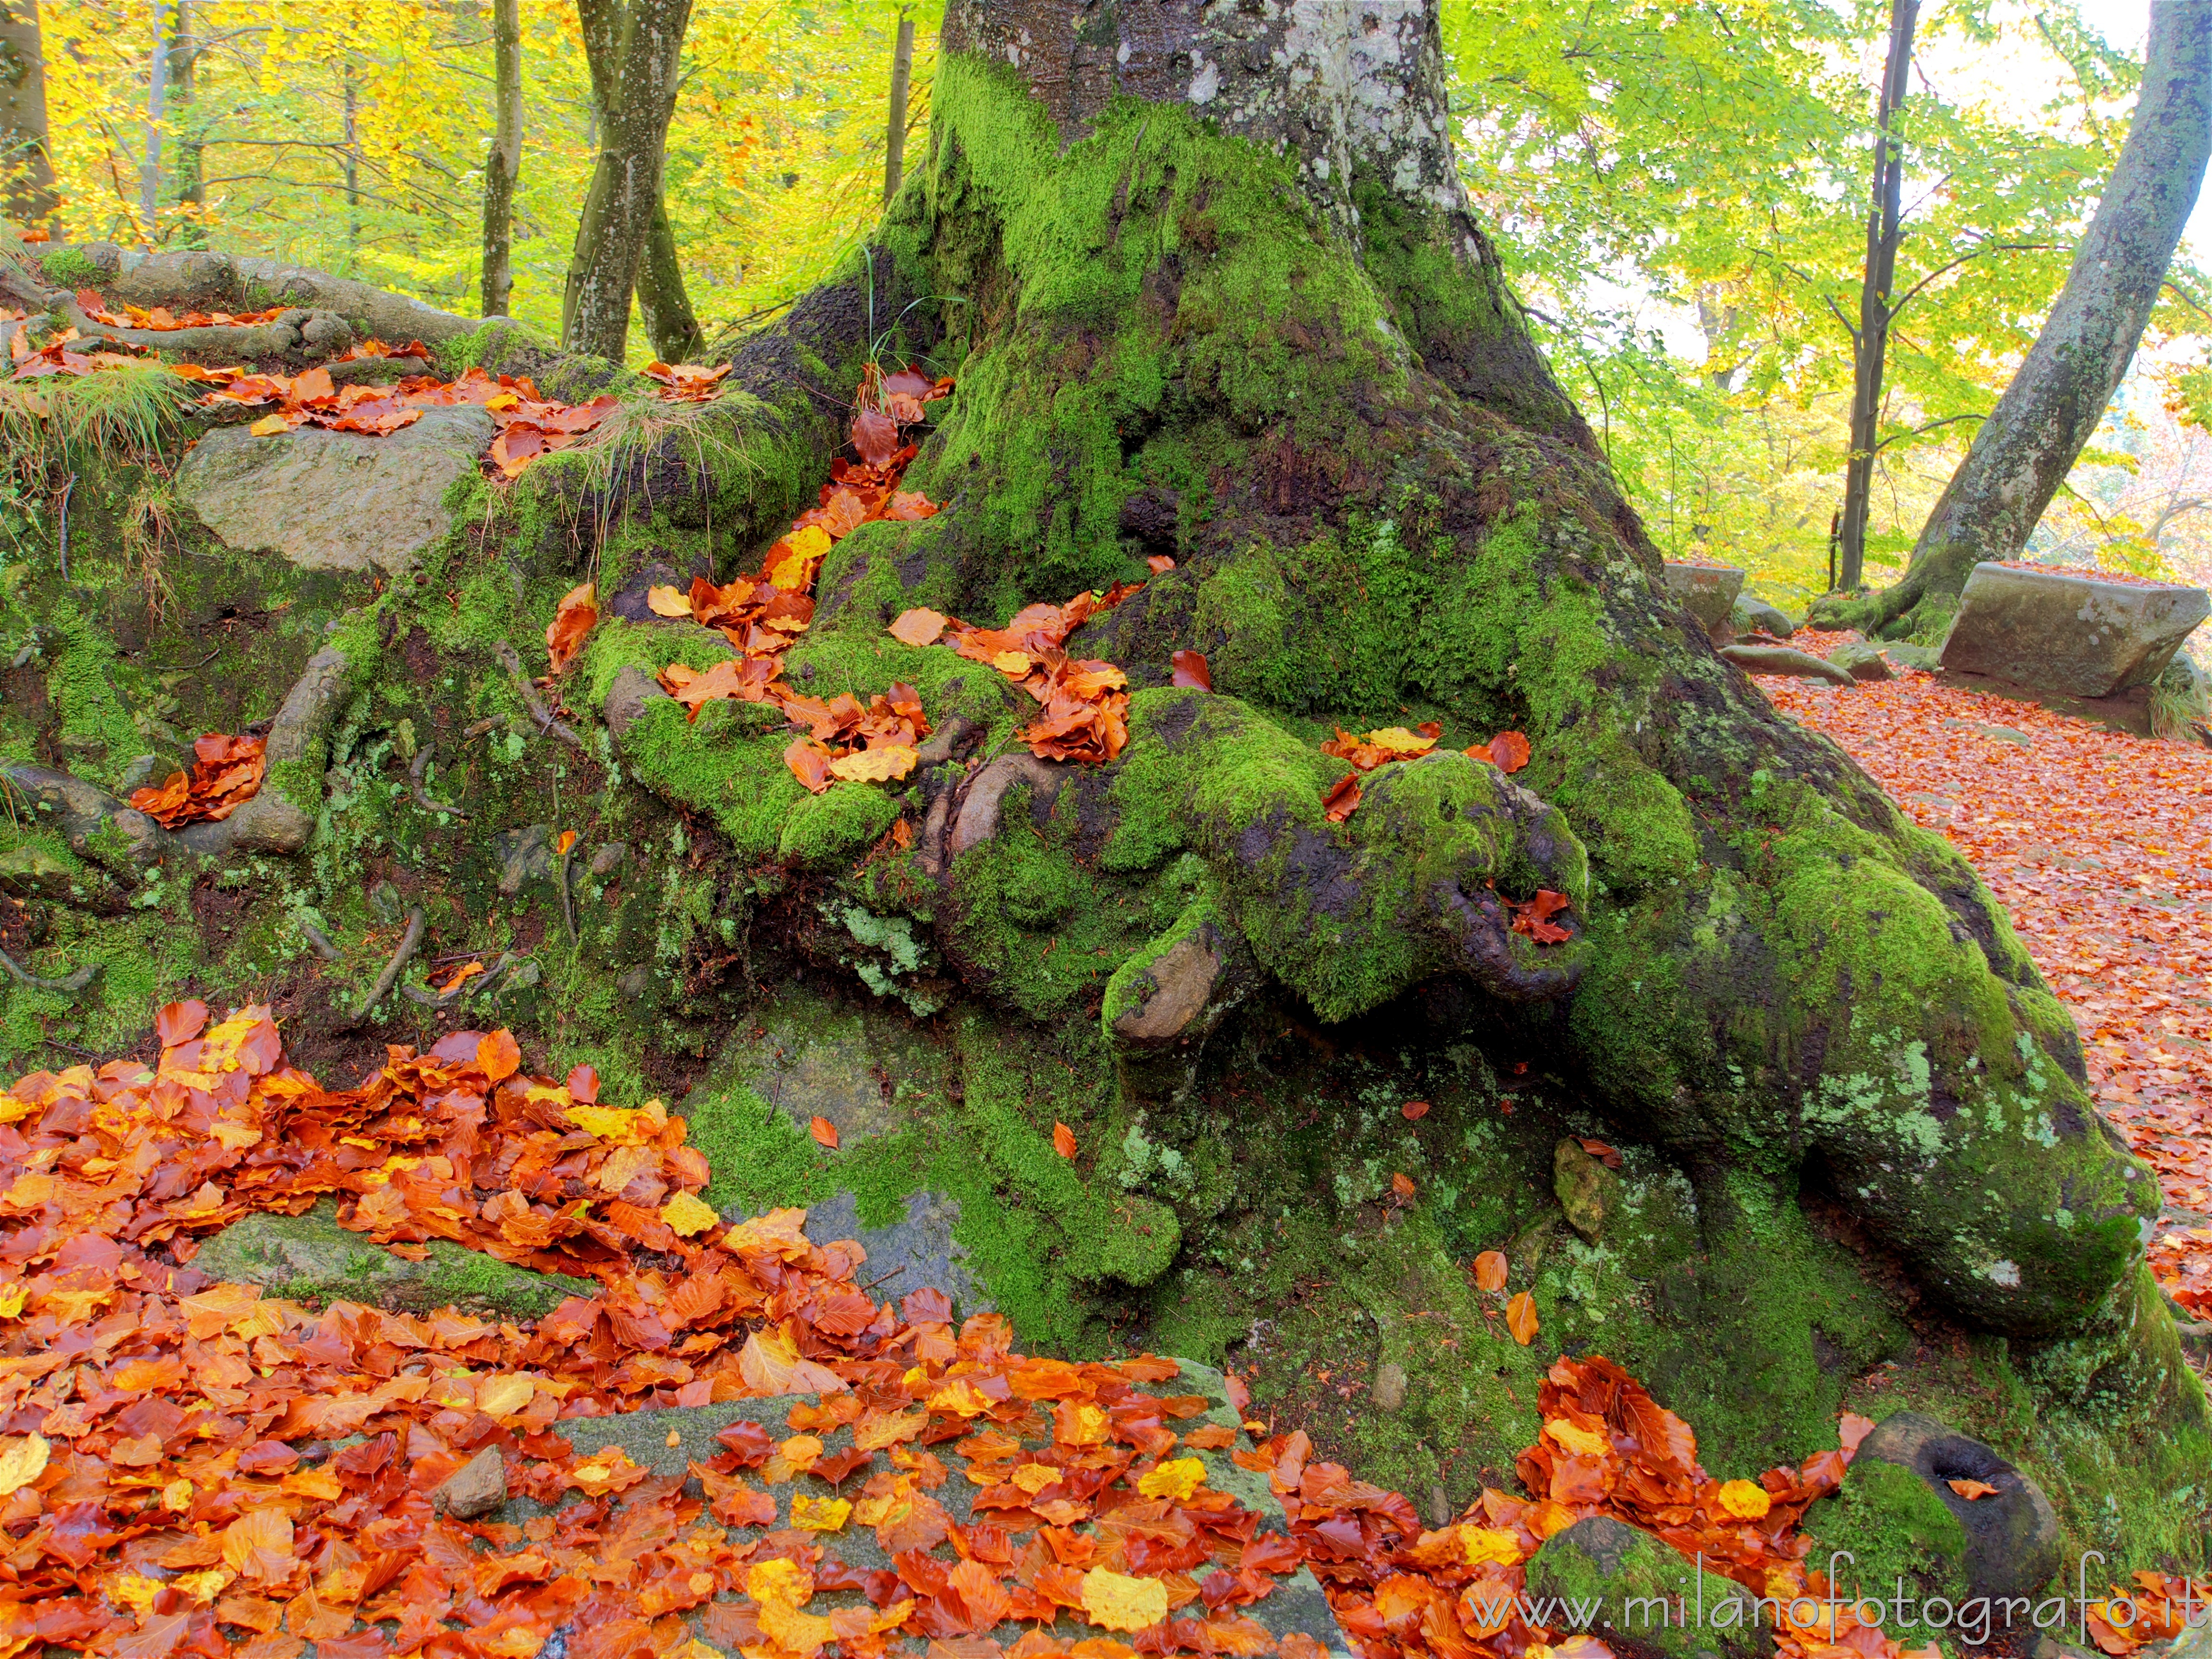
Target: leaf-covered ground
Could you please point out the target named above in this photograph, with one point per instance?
(2100, 847)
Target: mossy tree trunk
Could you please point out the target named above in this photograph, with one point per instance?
(25, 156)
(1223, 298)
(2024, 451)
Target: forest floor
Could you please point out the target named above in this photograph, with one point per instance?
(2100, 847)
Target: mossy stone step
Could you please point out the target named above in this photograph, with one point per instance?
(310, 1258)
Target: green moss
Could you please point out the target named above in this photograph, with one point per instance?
(1897, 1527)
(71, 267)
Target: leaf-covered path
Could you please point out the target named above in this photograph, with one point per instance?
(2100, 847)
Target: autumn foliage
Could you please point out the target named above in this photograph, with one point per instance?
(226, 773)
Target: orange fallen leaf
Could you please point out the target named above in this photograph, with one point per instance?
(1159, 564)
(1521, 1318)
(1343, 800)
(1402, 1186)
(823, 1131)
(1490, 1270)
(918, 627)
(1190, 669)
(1063, 1140)
(1414, 1110)
(573, 619)
(1598, 1150)
(1972, 1489)
(1507, 752)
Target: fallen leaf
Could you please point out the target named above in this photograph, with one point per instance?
(823, 1131)
(180, 1022)
(21, 1461)
(269, 426)
(1744, 1499)
(1414, 1110)
(665, 601)
(687, 1214)
(1507, 752)
(1063, 1140)
(1343, 800)
(1521, 1318)
(1177, 1480)
(1190, 669)
(1598, 1150)
(1115, 1601)
(918, 627)
(1402, 1186)
(1972, 1488)
(874, 765)
(1490, 1269)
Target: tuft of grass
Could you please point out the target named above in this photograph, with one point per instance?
(127, 411)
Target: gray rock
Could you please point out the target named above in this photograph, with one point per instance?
(2078, 635)
(142, 771)
(1756, 616)
(610, 857)
(1647, 1604)
(1388, 1394)
(523, 855)
(310, 1257)
(627, 698)
(1903, 653)
(1861, 661)
(630, 601)
(474, 1489)
(335, 500)
(385, 903)
(186, 280)
(2011, 734)
(1585, 1188)
(919, 1251)
(2012, 1535)
(1708, 591)
(816, 1058)
(1782, 659)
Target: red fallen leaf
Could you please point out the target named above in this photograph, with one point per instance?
(1530, 916)
(1063, 1140)
(823, 1131)
(1598, 1150)
(180, 1022)
(1160, 564)
(810, 763)
(875, 437)
(1190, 669)
(1240, 1394)
(1507, 752)
(573, 619)
(1342, 800)
(1490, 1270)
(1402, 1186)
(1414, 1110)
(312, 386)
(1972, 1489)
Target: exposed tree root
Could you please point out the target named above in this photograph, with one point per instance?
(543, 716)
(71, 983)
(393, 970)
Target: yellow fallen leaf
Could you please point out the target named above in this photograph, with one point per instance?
(12, 1108)
(23, 1461)
(1744, 1500)
(819, 1514)
(1583, 1443)
(612, 1124)
(1115, 1600)
(259, 1545)
(964, 1397)
(269, 426)
(11, 1301)
(204, 1585)
(503, 1396)
(1398, 739)
(133, 1590)
(503, 400)
(665, 601)
(811, 543)
(1490, 1544)
(1177, 1480)
(1034, 1478)
(1013, 664)
(688, 1213)
(176, 1495)
(893, 760)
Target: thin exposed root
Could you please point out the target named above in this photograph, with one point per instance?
(393, 970)
(70, 983)
(539, 713)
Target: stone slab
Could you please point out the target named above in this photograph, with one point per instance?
(919, 1249)
(2074, 635)
(1298, 1602)
(335, 500)
(1708, 591)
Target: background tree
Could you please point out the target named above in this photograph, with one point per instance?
(503, 161)
(896, 119)
(633, 47)
(1870, 338)
(27, 171)
(2023, 452)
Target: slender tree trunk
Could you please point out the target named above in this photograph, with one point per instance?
(352, 173)
(157, 98)
(663, 305)
(503, 165)
(26, 170)
(183, 69)
(2024, 451)
(894, 124)
(1871, 343)
(633, 47)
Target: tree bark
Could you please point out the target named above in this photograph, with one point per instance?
(1870, 344)
(157, 98)
(895, 120)
(2024, 451)
(663, 304)
(192, 189)
(633, 47)
(503, 163)
(25, 158)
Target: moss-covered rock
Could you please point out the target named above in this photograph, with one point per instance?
(310, 1258)
(1641, 1598)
